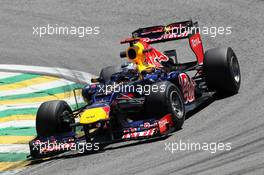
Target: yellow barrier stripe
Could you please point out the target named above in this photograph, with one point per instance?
(15, 139)
(59, 96)
(6, 166)
(17, 117)
(22, 84)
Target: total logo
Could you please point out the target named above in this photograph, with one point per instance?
(90, 116)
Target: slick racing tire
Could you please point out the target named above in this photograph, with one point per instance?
(107, 72)
(221, 70)
(168, 99)
(49, 120)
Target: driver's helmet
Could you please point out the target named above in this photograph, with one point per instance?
(88, 91)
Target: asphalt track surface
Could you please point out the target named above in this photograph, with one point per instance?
(237, 119)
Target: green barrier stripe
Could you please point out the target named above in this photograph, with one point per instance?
(43, 93)
(73, 107)
(21, 111)
(13, 157)
(17, 78)
(18, 131)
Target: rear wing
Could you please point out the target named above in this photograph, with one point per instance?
(174, 31)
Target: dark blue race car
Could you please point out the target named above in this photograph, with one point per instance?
(146, 98)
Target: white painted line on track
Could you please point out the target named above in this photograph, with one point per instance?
(11, 172)
(14, 148)
(8, 74)
(72, 75)
(18, 124)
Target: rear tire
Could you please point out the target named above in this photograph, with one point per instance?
(158, 104)
(107, 72)
(49, 120)
(222, 72)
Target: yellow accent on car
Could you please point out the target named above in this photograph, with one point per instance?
(139, 57)
(93, 115)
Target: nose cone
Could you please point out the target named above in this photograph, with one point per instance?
(94, 115)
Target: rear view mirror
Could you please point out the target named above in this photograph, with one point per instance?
(123, 54)
(95, 80)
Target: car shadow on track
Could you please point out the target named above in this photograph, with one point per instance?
(206, 103)
(75, 154)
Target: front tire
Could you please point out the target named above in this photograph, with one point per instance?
(49, 120)
(160, 103)
(221, 70)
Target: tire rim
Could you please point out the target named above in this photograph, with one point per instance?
(176, 104)
(235, 69)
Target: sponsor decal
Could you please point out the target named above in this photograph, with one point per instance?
(146, 133)
(188, 87)
(165, 122)
(153, 57)
(197, 47)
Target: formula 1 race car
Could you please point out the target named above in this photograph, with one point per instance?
(146, 98)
